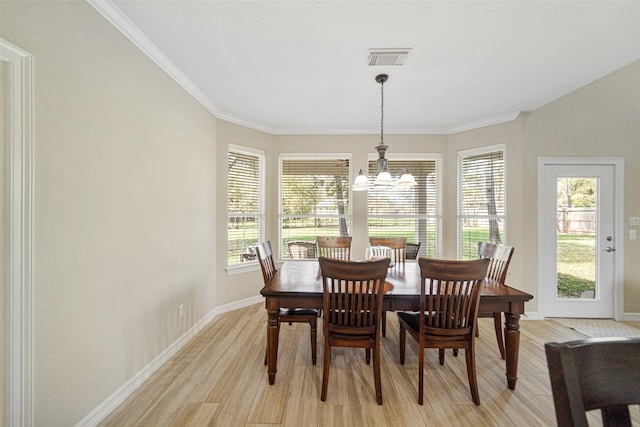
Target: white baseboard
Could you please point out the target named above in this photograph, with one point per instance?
(121, 394)
(531, 315)
(627, 317)
(631, 317)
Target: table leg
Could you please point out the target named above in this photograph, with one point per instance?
(512, 346)
(272, 343)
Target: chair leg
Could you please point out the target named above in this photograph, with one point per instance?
(314, 332)
(420, 375)
(471, 373)
(403, 343)
(384, 323)
(325, 371)
(367, 355)
(441, 355)
(376, 373)
(497, 323)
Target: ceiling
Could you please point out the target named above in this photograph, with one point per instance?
(288, 67)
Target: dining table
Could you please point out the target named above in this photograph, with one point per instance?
(298, 284)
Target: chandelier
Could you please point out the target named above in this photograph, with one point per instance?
(383, 180)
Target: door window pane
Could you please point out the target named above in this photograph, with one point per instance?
(577, 226)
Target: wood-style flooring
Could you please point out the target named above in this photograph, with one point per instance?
(219, 379)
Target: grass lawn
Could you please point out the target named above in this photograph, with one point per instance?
(576, 264)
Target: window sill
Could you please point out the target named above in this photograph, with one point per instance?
(241, 268)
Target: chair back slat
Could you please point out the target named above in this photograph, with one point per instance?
(353, 293)
(267, 264)
(500, 256)
(449, 294)
(600, 373)
(396, 244)
(412, 250)
(334, 247)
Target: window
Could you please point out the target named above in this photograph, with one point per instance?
(481, 199)
(416, 213)
(314, 200)
(245, 203)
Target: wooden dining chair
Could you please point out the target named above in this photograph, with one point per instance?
(411, 250)
(594, 373)
(288, 315)
(397, 246)
(499, 258)
(334, 247)
(449, 299)
(352, 302)
(302, 249)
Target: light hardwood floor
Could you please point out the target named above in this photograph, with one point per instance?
(219, 379)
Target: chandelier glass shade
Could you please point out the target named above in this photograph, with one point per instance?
(383, 181)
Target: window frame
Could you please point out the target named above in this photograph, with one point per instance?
(261, 214)
(310, 157)
(462, 155)
(438, 159)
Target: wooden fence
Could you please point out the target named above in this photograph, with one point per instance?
(577, 221)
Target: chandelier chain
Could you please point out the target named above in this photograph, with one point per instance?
(382, 112)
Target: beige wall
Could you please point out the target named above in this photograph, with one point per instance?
(3, 240)
(124, 207)
(599, 120)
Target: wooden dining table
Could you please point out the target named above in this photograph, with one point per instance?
(298, 284)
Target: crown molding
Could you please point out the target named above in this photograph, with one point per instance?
(246, 123)
(495, 120)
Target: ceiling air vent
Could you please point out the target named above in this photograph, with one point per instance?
(387, 56)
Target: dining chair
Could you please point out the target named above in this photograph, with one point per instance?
(594, 373)
(499, 258)
(288, 315)
(411, 250)
(397, 246)
(352, 302)
(449, 299)
(301, 249)
(334, 247)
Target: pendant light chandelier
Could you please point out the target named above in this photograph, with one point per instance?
(383, 180)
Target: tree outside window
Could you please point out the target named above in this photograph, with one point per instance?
(481, 199)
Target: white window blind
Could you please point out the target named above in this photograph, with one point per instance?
(314, 200)
(414, 213)
(481, 200)
(245, 203)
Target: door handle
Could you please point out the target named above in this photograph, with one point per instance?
(610, 249)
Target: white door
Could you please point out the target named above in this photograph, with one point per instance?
(578, 245)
